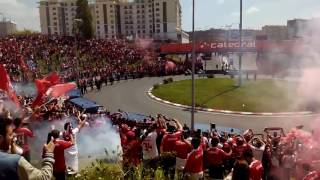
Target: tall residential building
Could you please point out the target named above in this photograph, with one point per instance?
(7, 28)
(151, 19)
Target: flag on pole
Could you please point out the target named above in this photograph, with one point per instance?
(60, 89)
(5, 85)
(43, 85)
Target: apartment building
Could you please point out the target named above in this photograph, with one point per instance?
(147, 19)
(7, 28)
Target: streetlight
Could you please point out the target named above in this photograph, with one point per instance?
(240, 39)
(193, 70)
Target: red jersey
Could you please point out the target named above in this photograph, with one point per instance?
(182, 148)
(256, 170)
(133, 152)
(60, 164)
(194, 162)
(215, 156)
(22, 138)
(239, 150)
(169, 140)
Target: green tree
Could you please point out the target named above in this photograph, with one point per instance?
(85, 26)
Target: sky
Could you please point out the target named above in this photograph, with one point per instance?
(208, 13)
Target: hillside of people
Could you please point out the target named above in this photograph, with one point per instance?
(44, 135)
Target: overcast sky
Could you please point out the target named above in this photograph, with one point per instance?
(209, 13)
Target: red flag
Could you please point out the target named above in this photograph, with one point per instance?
(53, 78)
(43, 85)
(60, 89)
(6, 85)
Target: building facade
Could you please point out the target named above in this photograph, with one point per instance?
(7, 28)
(275, 32)
(146, 19)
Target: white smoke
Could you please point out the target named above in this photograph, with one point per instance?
(92, 142)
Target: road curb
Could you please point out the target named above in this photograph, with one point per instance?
(149, 92)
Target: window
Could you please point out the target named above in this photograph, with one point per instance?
(138, 11)
(158, 30)
(112, 21)
(143, 31)
(111, 6)
(55, 23)
(157, 9)
(54, 8)
(54, 13)
(98, 22)
(157, 4)
(71, 4)
(142, 6)
(130, 7)
(98, 27)
(158, 25)
(138, 31)
(112, 27)
(150, 31)
(158, 20)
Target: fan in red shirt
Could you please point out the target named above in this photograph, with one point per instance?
(182, 149)
(59, 167)
(133, 149)
(194, 165)
(170, 137)
(167, 147)
(240, 147)
(255, 166)
(214, 158)
(22, 134)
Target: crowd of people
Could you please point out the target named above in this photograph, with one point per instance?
(156, 142)
(183, 153)
(78, 59)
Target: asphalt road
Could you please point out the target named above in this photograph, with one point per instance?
(131, 96)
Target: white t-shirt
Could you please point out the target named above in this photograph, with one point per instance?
(258, 152)
(149, 146)
(71, 154)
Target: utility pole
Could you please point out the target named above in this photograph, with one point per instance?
(240, 53)
(193, 69)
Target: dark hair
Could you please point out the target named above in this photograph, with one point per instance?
(195, 142)
(214, 141)
(55, 133)
(248, 153)
(17, 122)
(4, 123)
(241, 171)
(66, 125)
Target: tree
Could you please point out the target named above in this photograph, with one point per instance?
(85, 26)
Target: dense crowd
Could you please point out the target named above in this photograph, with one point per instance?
(78, 59)
(155, 142)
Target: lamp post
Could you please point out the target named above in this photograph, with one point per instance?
(193, 70)
(240, 53)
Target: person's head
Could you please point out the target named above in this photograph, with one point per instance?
(239, 141)
(275, 134)
(241, 171)
(6, 133)
(185, 134)
(67, 126)
(215, 141)
(17, 122)
(195, 142)
(248, 155)
(55, 134)
(257, 142)
(170, 128)
(198, 133)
